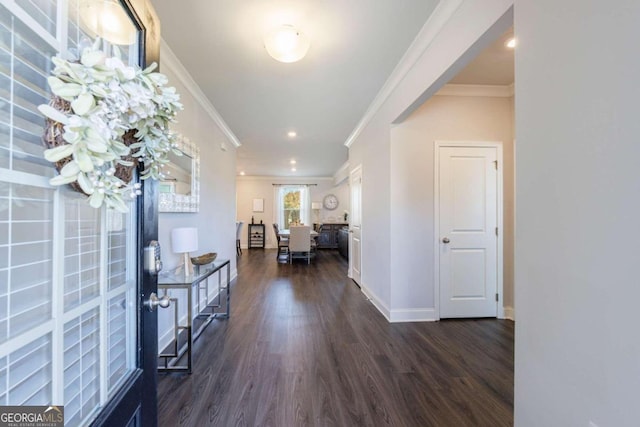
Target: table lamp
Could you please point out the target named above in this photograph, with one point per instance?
(183, 241)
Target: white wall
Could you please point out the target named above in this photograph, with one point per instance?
(578, 213)
(216, 219)
(442, 118)
(260, 187)
(446, 52)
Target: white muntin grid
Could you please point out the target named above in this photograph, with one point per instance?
(63, 268)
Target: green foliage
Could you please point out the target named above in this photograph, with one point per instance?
(291, 208)
(292, 200)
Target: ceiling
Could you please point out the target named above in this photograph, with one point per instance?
(355, 45)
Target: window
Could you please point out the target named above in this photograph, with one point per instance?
(67, 271)
(292, 204)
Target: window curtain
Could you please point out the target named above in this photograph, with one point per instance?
(305, 204)
(278, 214)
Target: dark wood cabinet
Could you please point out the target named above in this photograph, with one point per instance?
(256, 236)
(343, 242)
(328, 234)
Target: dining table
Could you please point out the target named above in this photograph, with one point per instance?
(286, 233)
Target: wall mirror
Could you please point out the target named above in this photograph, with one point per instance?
(179, 191)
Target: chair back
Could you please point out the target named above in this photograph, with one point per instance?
(277, 231)
(239, 229)
(300, 239)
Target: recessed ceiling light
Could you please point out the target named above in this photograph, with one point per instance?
(293, 169)
(292, 134)
(511, 43)
(242, 173)
(293, 162)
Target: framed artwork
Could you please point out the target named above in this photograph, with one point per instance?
(258, 205)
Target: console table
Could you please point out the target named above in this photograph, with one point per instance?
(184, 335)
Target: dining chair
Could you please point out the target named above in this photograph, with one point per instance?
(238, 234)
(300, 243)
(276, 228)
(283, 243)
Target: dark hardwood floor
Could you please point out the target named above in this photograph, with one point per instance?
(304, 347)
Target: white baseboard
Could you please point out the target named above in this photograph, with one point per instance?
(510, 313)
(413, 315)
(394, 316)
(377, 302)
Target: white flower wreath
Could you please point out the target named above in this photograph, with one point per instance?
(107, 99)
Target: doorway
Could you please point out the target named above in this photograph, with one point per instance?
(468, 220)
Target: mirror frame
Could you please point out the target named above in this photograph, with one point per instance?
(171, 202)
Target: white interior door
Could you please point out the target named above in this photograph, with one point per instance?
(355, 227)
(467, 203)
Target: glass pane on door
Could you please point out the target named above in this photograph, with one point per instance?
(82, 252)
(121, 304)
(68, 290)
(81, 367)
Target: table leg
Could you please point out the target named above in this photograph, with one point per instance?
(189, 328)
(228, 290)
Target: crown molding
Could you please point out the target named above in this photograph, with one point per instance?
(170, 60)
(341, 174)
(429, 31)
(343, 168)
(493, 91)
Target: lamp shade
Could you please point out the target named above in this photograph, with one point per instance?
(286, 44)
(184, 239)
(316, 205)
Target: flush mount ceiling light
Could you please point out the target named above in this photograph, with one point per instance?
(286, 44)
(108, 19)
(511, 43)
(292, 134)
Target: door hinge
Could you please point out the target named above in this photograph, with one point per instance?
(497, 297)
(496, 231)
(495, 162)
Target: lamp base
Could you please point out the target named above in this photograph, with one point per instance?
(187, 265)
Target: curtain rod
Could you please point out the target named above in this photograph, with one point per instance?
(285, 185)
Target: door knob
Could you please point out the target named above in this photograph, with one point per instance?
(446, 240)
(154, 301)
